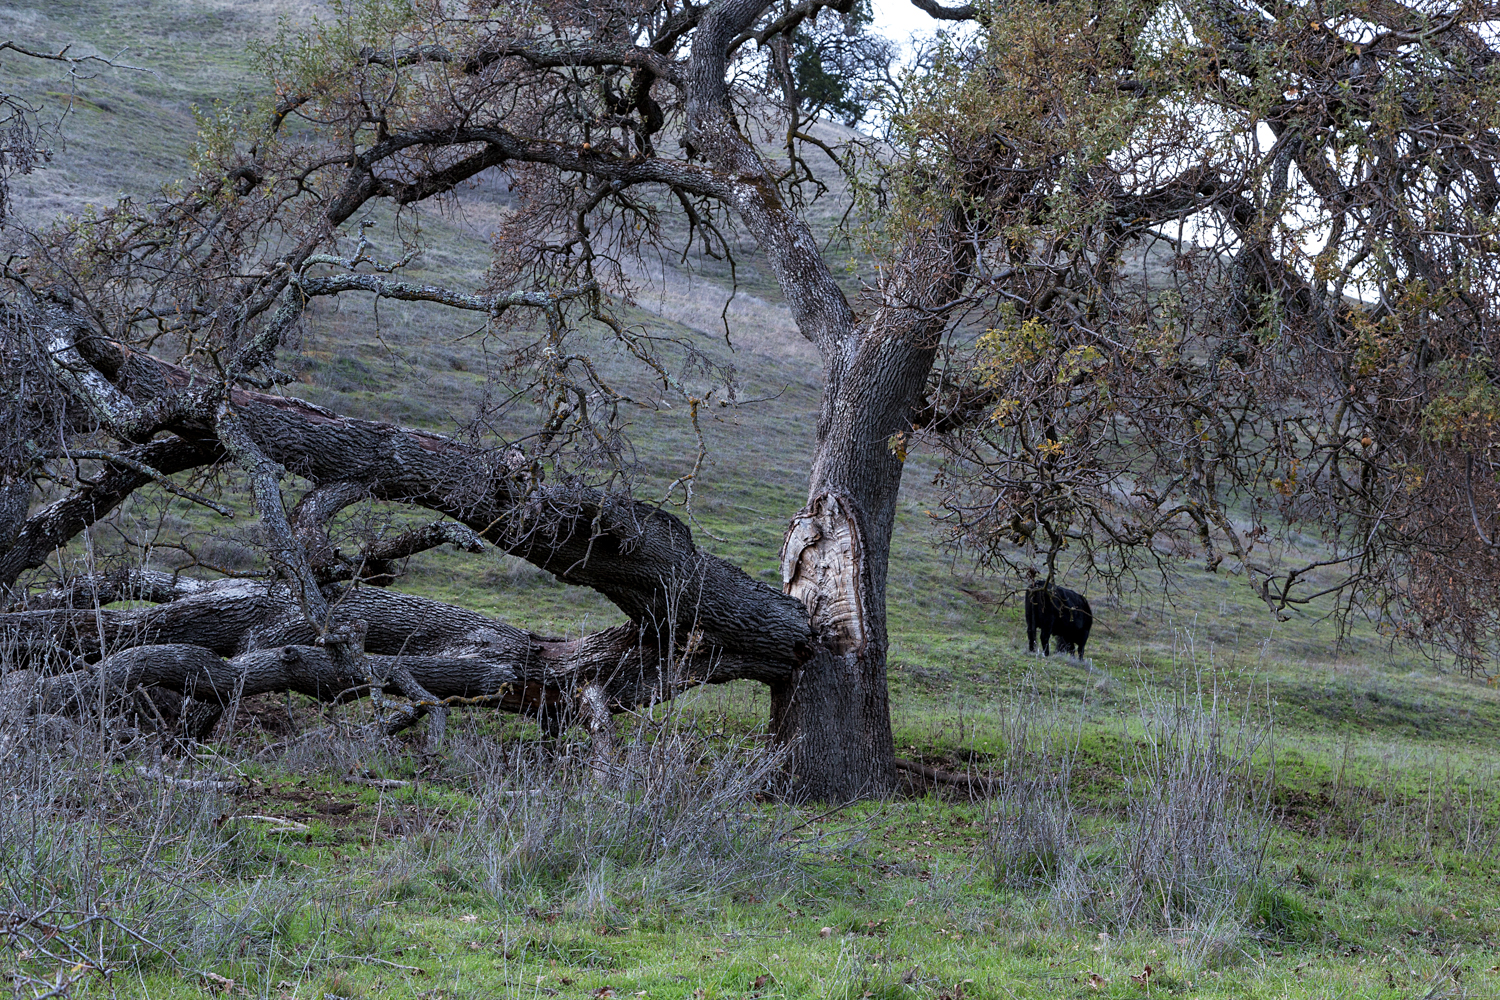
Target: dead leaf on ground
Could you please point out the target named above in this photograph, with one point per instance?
(603, 993)
(1096, 981)
(1144, 979)
(222, 984)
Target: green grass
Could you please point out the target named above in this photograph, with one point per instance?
(1367, 890)
(907, 909)
(1381, 871)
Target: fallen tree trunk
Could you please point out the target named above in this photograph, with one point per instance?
(638, 556)
(217, 642)
(215, 683)
(694, 618)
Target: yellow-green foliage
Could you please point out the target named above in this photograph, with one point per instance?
(1466, 410)
(1026, 98)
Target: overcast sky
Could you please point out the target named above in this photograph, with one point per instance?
(898, 20)
(904, 24)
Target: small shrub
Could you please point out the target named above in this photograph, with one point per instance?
(131, 869)
(1186, 853)
(676, 817)
(1034, 839)
(1196, 816)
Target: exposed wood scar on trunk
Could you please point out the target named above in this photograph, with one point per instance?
(821, 565)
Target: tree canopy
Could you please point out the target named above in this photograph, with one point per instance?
(1305, 349)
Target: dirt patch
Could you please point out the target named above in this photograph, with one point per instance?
(341, 811)
(268, 714)
(1311, 813)
(333, 809)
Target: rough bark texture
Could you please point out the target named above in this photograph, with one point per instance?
(35, 538)
(834, 710)
(641, 558)
(694, 618)
(216, 642)
(837, 552)
(836, 701)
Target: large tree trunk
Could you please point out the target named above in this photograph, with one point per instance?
(834, 710)
(216, 642)
(694, 618)
(638, 556)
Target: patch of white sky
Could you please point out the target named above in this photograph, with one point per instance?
(903, 23)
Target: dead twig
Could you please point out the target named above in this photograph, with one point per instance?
(282, 823)
(190, 784)
(386, 783)
(380, 961)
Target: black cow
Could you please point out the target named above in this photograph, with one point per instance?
(1061, 612)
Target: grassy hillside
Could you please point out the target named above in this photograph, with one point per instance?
(1246, 808)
